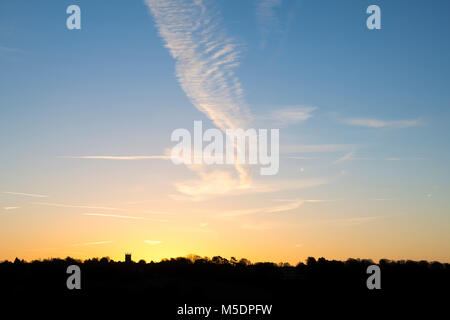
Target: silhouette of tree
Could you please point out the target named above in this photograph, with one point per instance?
(244, 262)
(311, 261)
(105, 260)
(215, 280)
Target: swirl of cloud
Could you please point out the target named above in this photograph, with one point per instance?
(205, 59)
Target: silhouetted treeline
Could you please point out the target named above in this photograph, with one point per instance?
(218, 281)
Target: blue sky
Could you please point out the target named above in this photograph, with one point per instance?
(376, 105)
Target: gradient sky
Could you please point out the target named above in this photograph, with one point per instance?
(363, 118)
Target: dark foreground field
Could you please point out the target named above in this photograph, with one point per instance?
(160, 289)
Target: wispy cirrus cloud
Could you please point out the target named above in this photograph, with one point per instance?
(274, 22)
(61, 205)
(162, 157)
(93, 243)
(377, 123)
(33, 195)
(9, 50)
(123, 217)
(403, 158)
(205, 61)
(301, 158)
(153, 242)
(355, 220)
(113, 216)
(213, 183)
(313, 148)
(345, 157)
(267, 17)
(350, 221)
(10, 208)
(290, 115)
(288, 205)
(222, 185)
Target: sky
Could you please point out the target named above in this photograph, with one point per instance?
(86, 118)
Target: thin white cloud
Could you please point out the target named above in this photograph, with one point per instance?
(205, 59)
(313, 148)
(162, 157)
(377, 123)
(402, 159)
(93, 243)
(291, 115)
(33, 195)
(301, 158)
(358, 220)
(205, 62)
(286, 207)
(267, 17)
(290, 204)
(164, 213)
(265, 10)
(10, 208)
(152, 242)
(48, 204)
(345, 157)
(309, 200)
(11, 50)
(213, 183)
(113, 216)
(220, 184)
(122, 217)
(352, 221)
